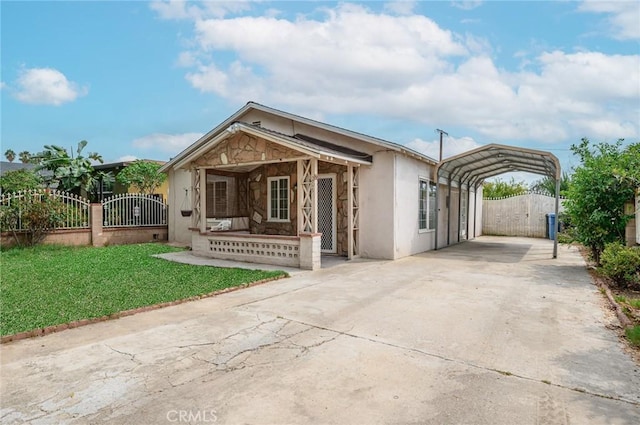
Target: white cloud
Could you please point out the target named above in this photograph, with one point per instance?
(623, 16)
(187, 59)
(400, 7)
(180, 9)
(466, 4)
(450, 146)
(349, 59)
(126, 158)
(46, 86)
(518, 176)
(170, 143)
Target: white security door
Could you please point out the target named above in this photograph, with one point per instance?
(463, 215)
(327, 212)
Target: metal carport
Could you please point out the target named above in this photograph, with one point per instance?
(473, 167)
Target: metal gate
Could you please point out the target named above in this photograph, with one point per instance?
(327, 212)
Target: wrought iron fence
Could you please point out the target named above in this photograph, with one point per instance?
(133, 210)
(71, 211)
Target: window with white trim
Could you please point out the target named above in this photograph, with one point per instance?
(278, 198)
(427, 214)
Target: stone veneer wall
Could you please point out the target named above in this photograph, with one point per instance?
(342, 187)
(258, 200)
(243, 148)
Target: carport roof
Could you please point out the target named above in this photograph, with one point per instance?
(475, 166)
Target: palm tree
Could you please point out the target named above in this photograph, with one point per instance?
(10, 155)
(547, 185)
(25, 157)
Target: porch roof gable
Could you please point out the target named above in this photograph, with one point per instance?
(304, 144)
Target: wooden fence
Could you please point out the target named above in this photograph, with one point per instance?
(520, 215)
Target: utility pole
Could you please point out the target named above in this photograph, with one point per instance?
(441, 133)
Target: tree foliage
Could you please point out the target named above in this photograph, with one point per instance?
(25, 157)
(31, 217)
(10, 155)
(143, 175)
(600, 187)
(547, 185)
(501, 189)
(71, 173)
(17, 180)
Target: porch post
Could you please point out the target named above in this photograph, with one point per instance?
(195, 184)
(314, 195)
(349, 211)
(300, 201)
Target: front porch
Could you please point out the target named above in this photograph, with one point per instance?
(263, 197)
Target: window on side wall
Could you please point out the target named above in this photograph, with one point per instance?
(427, 214)
(278, 198)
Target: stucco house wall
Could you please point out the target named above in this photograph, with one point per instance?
(409, 238)
(178, 181)
(377, 238)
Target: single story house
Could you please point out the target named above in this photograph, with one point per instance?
(109, 188)
(268, 186)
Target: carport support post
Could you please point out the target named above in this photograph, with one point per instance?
(557, 222)
(459, 209)
(475, 209)
(448, 206)
(437, 210)
(469, 208)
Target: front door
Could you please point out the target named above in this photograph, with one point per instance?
(327, 212)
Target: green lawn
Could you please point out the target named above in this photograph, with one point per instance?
(50, 285)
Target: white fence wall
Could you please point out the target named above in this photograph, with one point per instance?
(520, 215)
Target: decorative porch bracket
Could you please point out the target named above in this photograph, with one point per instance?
(308, 195)
(195, 173)
(353, 211)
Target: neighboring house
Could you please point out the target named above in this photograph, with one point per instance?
(108, 189)
(268, 186)
(6, 166)
(14, 166)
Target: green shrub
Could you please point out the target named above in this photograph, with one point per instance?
(621, 264)
(565, 237)
(31, 217)
(633, 335)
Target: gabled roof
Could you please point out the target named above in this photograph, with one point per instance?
(475, 166)
(197, 146)
(306, 145)
(13, 166)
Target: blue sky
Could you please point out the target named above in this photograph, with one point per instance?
(145, 79)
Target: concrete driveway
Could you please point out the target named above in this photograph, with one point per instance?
(492, 331)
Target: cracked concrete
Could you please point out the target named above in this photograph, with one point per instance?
(488, 332)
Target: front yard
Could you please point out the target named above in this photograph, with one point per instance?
(51, 285)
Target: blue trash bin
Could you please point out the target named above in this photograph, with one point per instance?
(551, 217)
